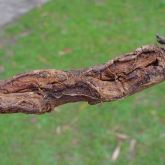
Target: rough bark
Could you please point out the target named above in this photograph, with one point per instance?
(40, 91)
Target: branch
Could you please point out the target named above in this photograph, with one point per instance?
(40, 91)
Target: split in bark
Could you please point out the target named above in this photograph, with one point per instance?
(40, 91)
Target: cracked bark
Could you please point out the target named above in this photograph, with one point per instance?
(40, 91)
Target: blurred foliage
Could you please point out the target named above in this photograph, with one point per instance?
(75, 34)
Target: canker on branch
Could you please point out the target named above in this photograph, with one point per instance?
(41, 91)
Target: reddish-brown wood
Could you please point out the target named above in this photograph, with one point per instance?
(40, 91)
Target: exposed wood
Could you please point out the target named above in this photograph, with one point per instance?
(40, 91)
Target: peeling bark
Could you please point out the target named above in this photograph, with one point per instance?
(40, 91)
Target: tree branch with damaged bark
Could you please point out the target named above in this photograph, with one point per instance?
(40, 91)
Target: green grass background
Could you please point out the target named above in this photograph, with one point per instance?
(70, 34)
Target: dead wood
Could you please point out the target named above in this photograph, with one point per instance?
(40, 91)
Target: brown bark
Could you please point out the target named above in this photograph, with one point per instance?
(40, 91)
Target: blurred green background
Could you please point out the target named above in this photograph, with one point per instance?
(75, 34)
